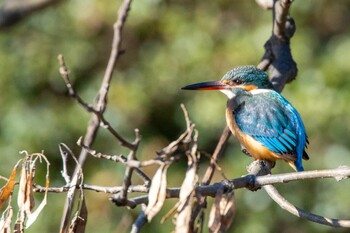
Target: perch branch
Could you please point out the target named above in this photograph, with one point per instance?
(249, 181)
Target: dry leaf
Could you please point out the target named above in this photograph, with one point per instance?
(19, 226)
(199, 223)
(29, 190)
(5, 221)
(21, 198)
(80, 219)
(222, 212)
(185, 204)
(8, 187)
(32, 216)
(25, 199)
(188, 185)
(157, 193)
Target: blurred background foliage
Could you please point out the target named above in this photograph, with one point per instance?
(170, 44)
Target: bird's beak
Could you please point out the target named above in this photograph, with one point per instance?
(215, 85)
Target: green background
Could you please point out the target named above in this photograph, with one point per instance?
(170, 44)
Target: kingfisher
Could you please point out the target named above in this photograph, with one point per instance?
(267, 126)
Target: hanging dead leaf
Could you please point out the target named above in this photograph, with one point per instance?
(29, 190)
(25, 199)
(6, 218)
(19, 226)
(222, 212)
(79, 220)
(185, 204)
(32, 216)
(21, 198)
(157, 193)
(199, 223)
(6, 190)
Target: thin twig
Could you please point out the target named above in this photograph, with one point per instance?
(184, 138)
(211, 169)
(140, 221)
(122, 159)
(100, 105)
(122, 197)
(72, 92)
(95, 188)
(64, 154)
(226, 133)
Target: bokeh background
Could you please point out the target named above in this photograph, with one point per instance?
(170, 44)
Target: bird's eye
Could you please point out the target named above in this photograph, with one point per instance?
(236, 82)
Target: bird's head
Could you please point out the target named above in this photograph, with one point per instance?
(243, 77)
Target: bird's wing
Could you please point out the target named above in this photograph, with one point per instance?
(273, 121)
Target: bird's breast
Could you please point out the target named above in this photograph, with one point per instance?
(255, 148)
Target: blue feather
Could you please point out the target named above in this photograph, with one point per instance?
(289, 140)
(273, 121)
(290, 134)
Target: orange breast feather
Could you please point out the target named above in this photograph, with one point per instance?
(255, 148)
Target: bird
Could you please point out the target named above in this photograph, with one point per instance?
(267, 126)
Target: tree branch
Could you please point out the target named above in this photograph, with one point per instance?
(278, 57)
(249, 181)
(100, 105)
(284, 204)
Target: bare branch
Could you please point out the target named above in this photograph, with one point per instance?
(281, 8)
(284, 204)
(64, 72)
(340, 173)
(278, 58)
(128, 172)
(217, 153)
(96, 188)
(122, 159)
(105, 124)
(115, 53)
(65, 151)
(249, 181)
(100, 105)
(140, 221)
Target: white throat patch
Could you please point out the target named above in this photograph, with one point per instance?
(259, 91)
(229, 93)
